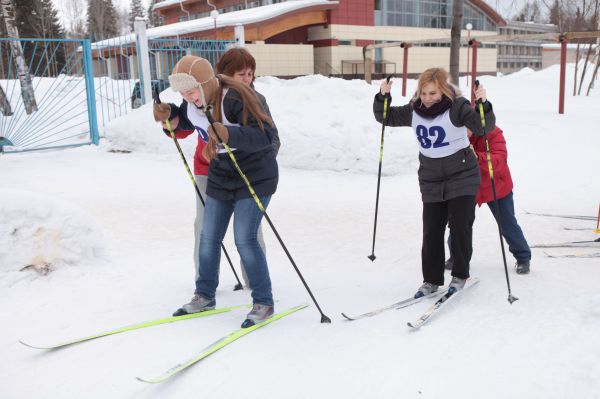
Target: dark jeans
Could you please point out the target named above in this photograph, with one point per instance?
(460, 213)
(511, 231)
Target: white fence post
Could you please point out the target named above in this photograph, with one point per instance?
(143, 59)
(238, 32)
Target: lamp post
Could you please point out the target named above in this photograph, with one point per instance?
(214, 14)
(468, 27)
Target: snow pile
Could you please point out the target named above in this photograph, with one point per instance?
(42, 233)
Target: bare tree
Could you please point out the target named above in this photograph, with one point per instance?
(8, 11)
(457, 17)
(595, 23)
(530, 12)
(74, 11)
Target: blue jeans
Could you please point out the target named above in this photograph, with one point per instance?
(517, 244)
(246, 220)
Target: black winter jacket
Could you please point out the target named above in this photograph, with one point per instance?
(441, 179)
(255, 153)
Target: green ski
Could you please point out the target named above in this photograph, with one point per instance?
(145, 324)
(215, 346)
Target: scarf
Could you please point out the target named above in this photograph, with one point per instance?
(433, 111)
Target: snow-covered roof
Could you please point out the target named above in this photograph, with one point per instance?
(570, 46)
(243, 17)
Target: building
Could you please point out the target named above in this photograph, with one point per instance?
(515, 55)
(299, 37)
(551, 53)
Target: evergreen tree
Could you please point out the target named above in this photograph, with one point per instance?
(136, 10)
(154, 18)
(39, 19)
(102, 20)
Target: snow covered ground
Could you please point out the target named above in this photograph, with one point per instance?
(109, 238)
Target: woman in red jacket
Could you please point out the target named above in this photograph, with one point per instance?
(517, 244)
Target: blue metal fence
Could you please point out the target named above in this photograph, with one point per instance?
(62, 110)
(80, 85)
(117, 68)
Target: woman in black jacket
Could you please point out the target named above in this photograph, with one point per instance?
(448, 172)
(242, 124)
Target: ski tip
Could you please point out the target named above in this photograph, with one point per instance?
(347, 317)
(410, 325)
(32, 346)
(146, 381)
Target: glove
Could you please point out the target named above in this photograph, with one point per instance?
(210, 149)
(161, 112)
(220, 130)
(480, 94)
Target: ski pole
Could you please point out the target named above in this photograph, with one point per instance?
(324, 319)
(386, 104)
(511, 297)
(156, 96)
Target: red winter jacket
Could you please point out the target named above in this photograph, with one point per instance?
(200, 163)
(502, 178)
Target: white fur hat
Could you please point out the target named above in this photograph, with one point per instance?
(190, 72)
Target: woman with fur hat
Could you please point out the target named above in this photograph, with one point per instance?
(242, 124)
(448, 172)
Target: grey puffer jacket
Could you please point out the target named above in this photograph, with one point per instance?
(441, 179)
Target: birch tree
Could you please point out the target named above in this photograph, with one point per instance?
(4, 104)
(8, 11)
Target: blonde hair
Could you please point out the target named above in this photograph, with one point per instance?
(250, 102)
(439, 77)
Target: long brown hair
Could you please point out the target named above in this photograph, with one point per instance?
(439, 77)
(251, 103)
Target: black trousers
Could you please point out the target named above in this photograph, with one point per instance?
(460, 213)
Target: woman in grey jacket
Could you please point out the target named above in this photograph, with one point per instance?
(448, 172)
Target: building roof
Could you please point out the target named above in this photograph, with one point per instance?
(489, 11)
(231, 19)
(570, 46)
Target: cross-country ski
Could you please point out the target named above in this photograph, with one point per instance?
(563, 216)
(440, 303)
(151, 323)
(398, 305)
(215, 346)
(574, 256)
(571, 244)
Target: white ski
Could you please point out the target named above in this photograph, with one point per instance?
(398, 305)
(439, 303)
